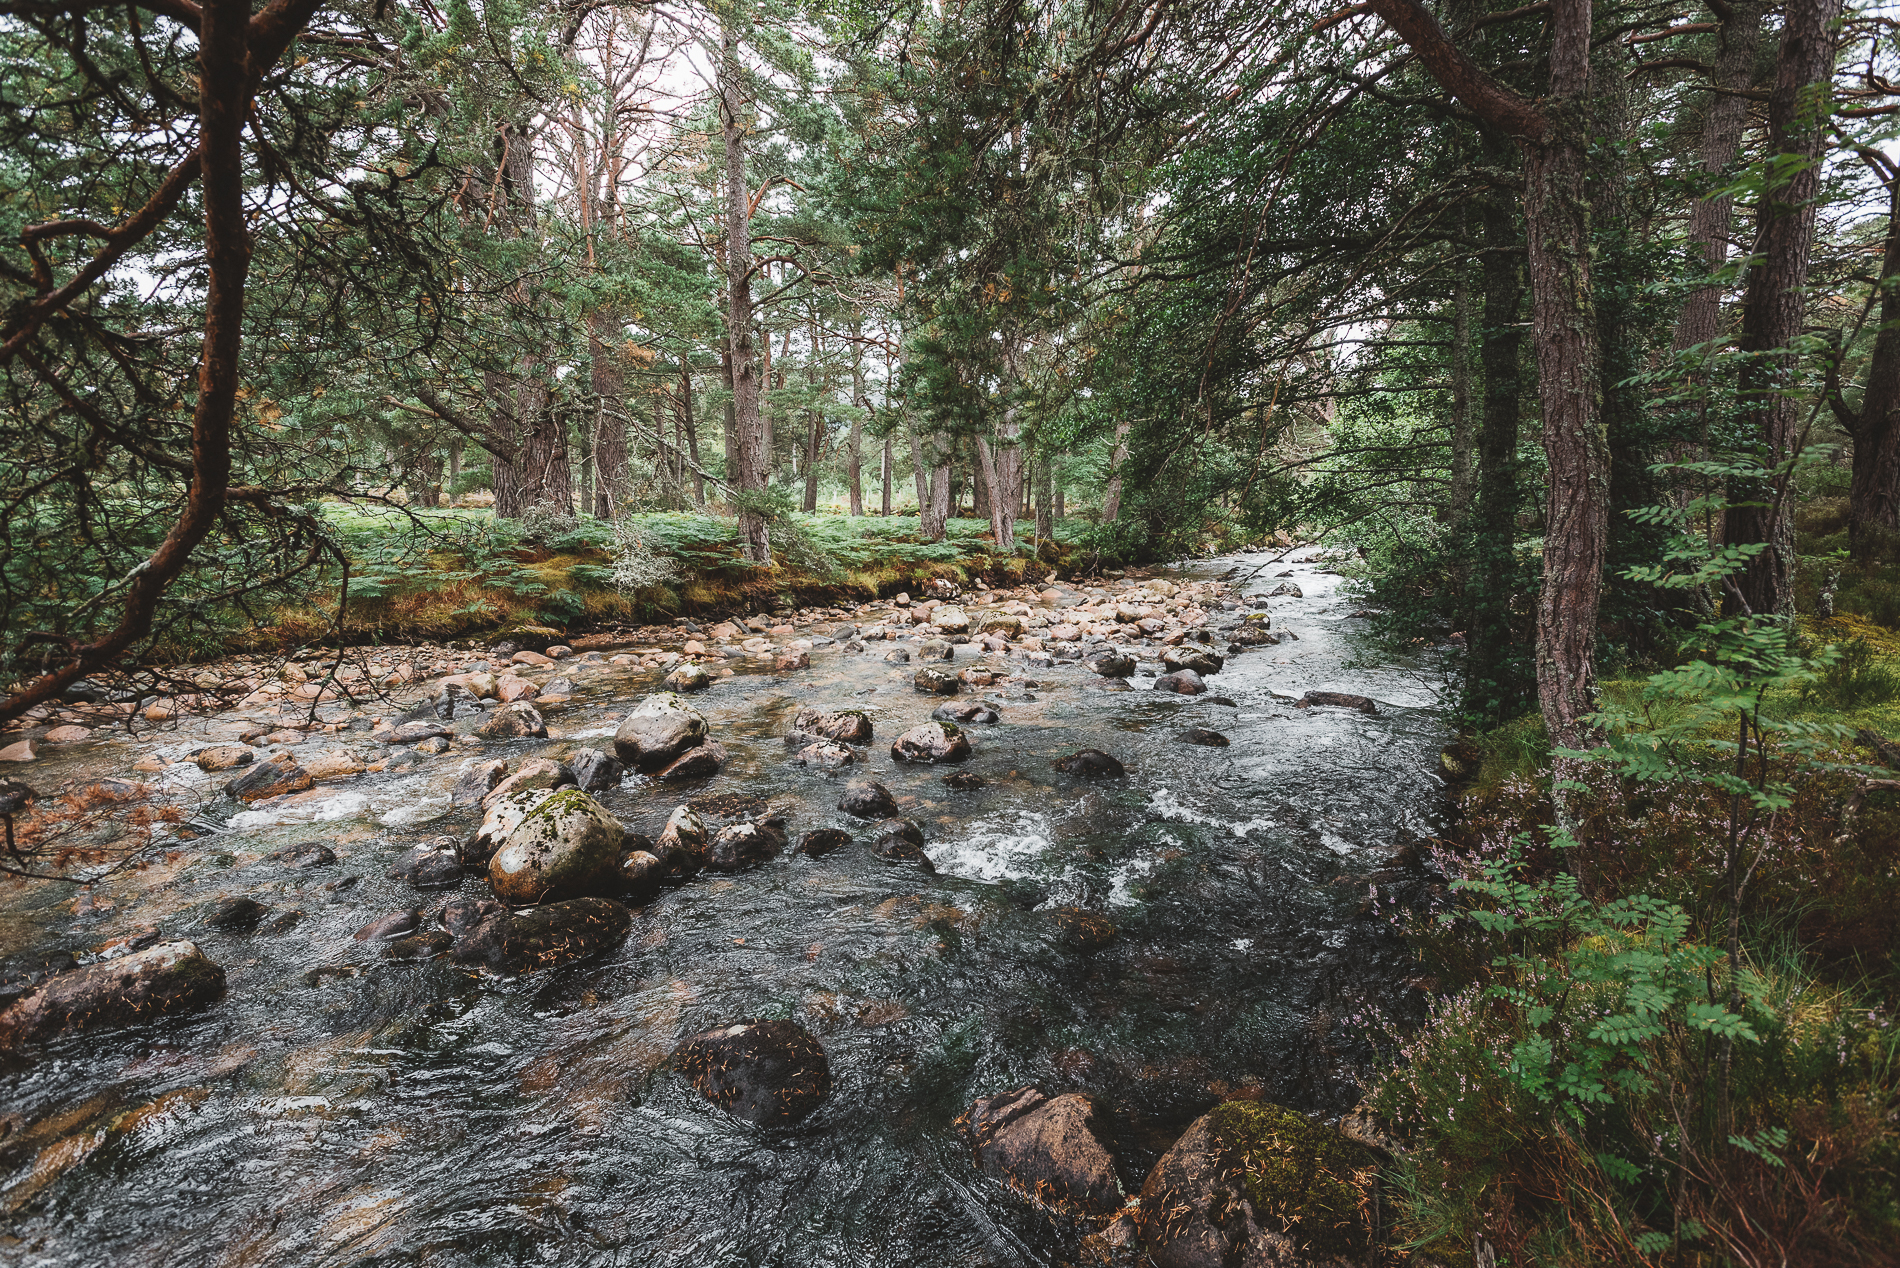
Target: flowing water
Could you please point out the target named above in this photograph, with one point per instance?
(428, 1114)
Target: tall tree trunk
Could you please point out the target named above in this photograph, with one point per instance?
(1723, 122)
(933, 490)
(546, 477)
(854, 458)
(610, 402)
(691, 424)
(1563, 318)
(1873, 516)
(749, 441)
(815, 423)
(1493, 692)
(1045, 495)
(884, 506)
(1463, 423)
(1626, 427)
(981, 494)
(1773, 303)
(455, 462)
(505, 471)
(1112, 491)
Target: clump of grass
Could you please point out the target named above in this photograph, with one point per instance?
(1857, 677)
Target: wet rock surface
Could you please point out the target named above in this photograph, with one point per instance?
(769, 1073)
(549, 935)
(168, 978)
(931, 742)
(1056, 1151)
(568, 846)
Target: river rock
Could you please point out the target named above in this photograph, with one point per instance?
(535, 773)
(516, 721)
(340, 763)
(642, 872)
(964, 781)
(684, 839)
(1201, 735)
(501, 816)
(941, 588)
(936, 649)
(409, 732)
(951, 619)
(1002, 623)
(455, 702)
(551, 934)
(566, 847)
(1091, 763)
(1252, 1183)
(1053, 1150)
(769, 1073)
(26, 750)
(931, 742)
(393, 925)
(897, 656)
(1182, 682)
(849, 726)
(1336, 700)
(224, 757)
(1110, 663)
(901, 841)
(125, 990)
(309, 854)
(1083, 929)
(16, 797)
(935, 682)
(742, 845)
(966, 713)
(1200, 661)
(596, 771)
(687, 677)
(460, 914)
(476, 781)
(1286, 589)
(825, 755)
(417, 946)
(696, 763)
(270, 778)
(867, 799)
(512, 687)
(427, 866)
(660, 728)
(792, 658)
(237, 915)
(821, 841)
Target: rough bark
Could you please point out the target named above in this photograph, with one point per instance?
(749, 438)
(1045, 494)
(546, 477)
(1874, 494)
(690, 423)
(1710, 218)
(610, 413)
(1112, 491)
(1463, 422)
(884, 506)
(1773, 303)
(504, 471)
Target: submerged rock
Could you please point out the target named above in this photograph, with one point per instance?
(566, 847)
(966, 713)
(867, 799)
(848, 726)
(418, 946)
(459, 915)
(1183, 682)
(270, 778)
(744, 845)
(1201, 735)
(822, 841)
(552, 934)
(931, 742)
(237, 915)
(1083, 929)
(1251, 1182)
(393, 925)
(1091, 763)
(769, 1073)
(935, 682)
(964, 781)
(169, 977)
(427, 866)
(310, 854)
(1052, 1150)
(1336, 700)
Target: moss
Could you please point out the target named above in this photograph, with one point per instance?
(1307, 1179)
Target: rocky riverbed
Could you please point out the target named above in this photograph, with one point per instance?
(923, 932)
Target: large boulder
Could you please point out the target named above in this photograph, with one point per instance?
(566, 847)
(1337, 700)
(1002, 623)
(517, 721)
(595, 771)
(169, 977)
(684, 840)
(931, 742)
(1252, 1183)
(270, 778)
(550, 934)
(688, 677)
(742, 845)
(849, 726)
(867, 799)
(536, 772)
(769, 1073)
(501, 816)
(659, 730)
(476, 781)
(1053, 1150)
(1182, 682)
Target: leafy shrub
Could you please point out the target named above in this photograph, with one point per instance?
(544, 521)
(636, 564)
(1857, 676)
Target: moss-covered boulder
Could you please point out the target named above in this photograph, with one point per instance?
(566, 847)
(1252, 1182)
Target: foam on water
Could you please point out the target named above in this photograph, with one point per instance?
(1002, 847)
